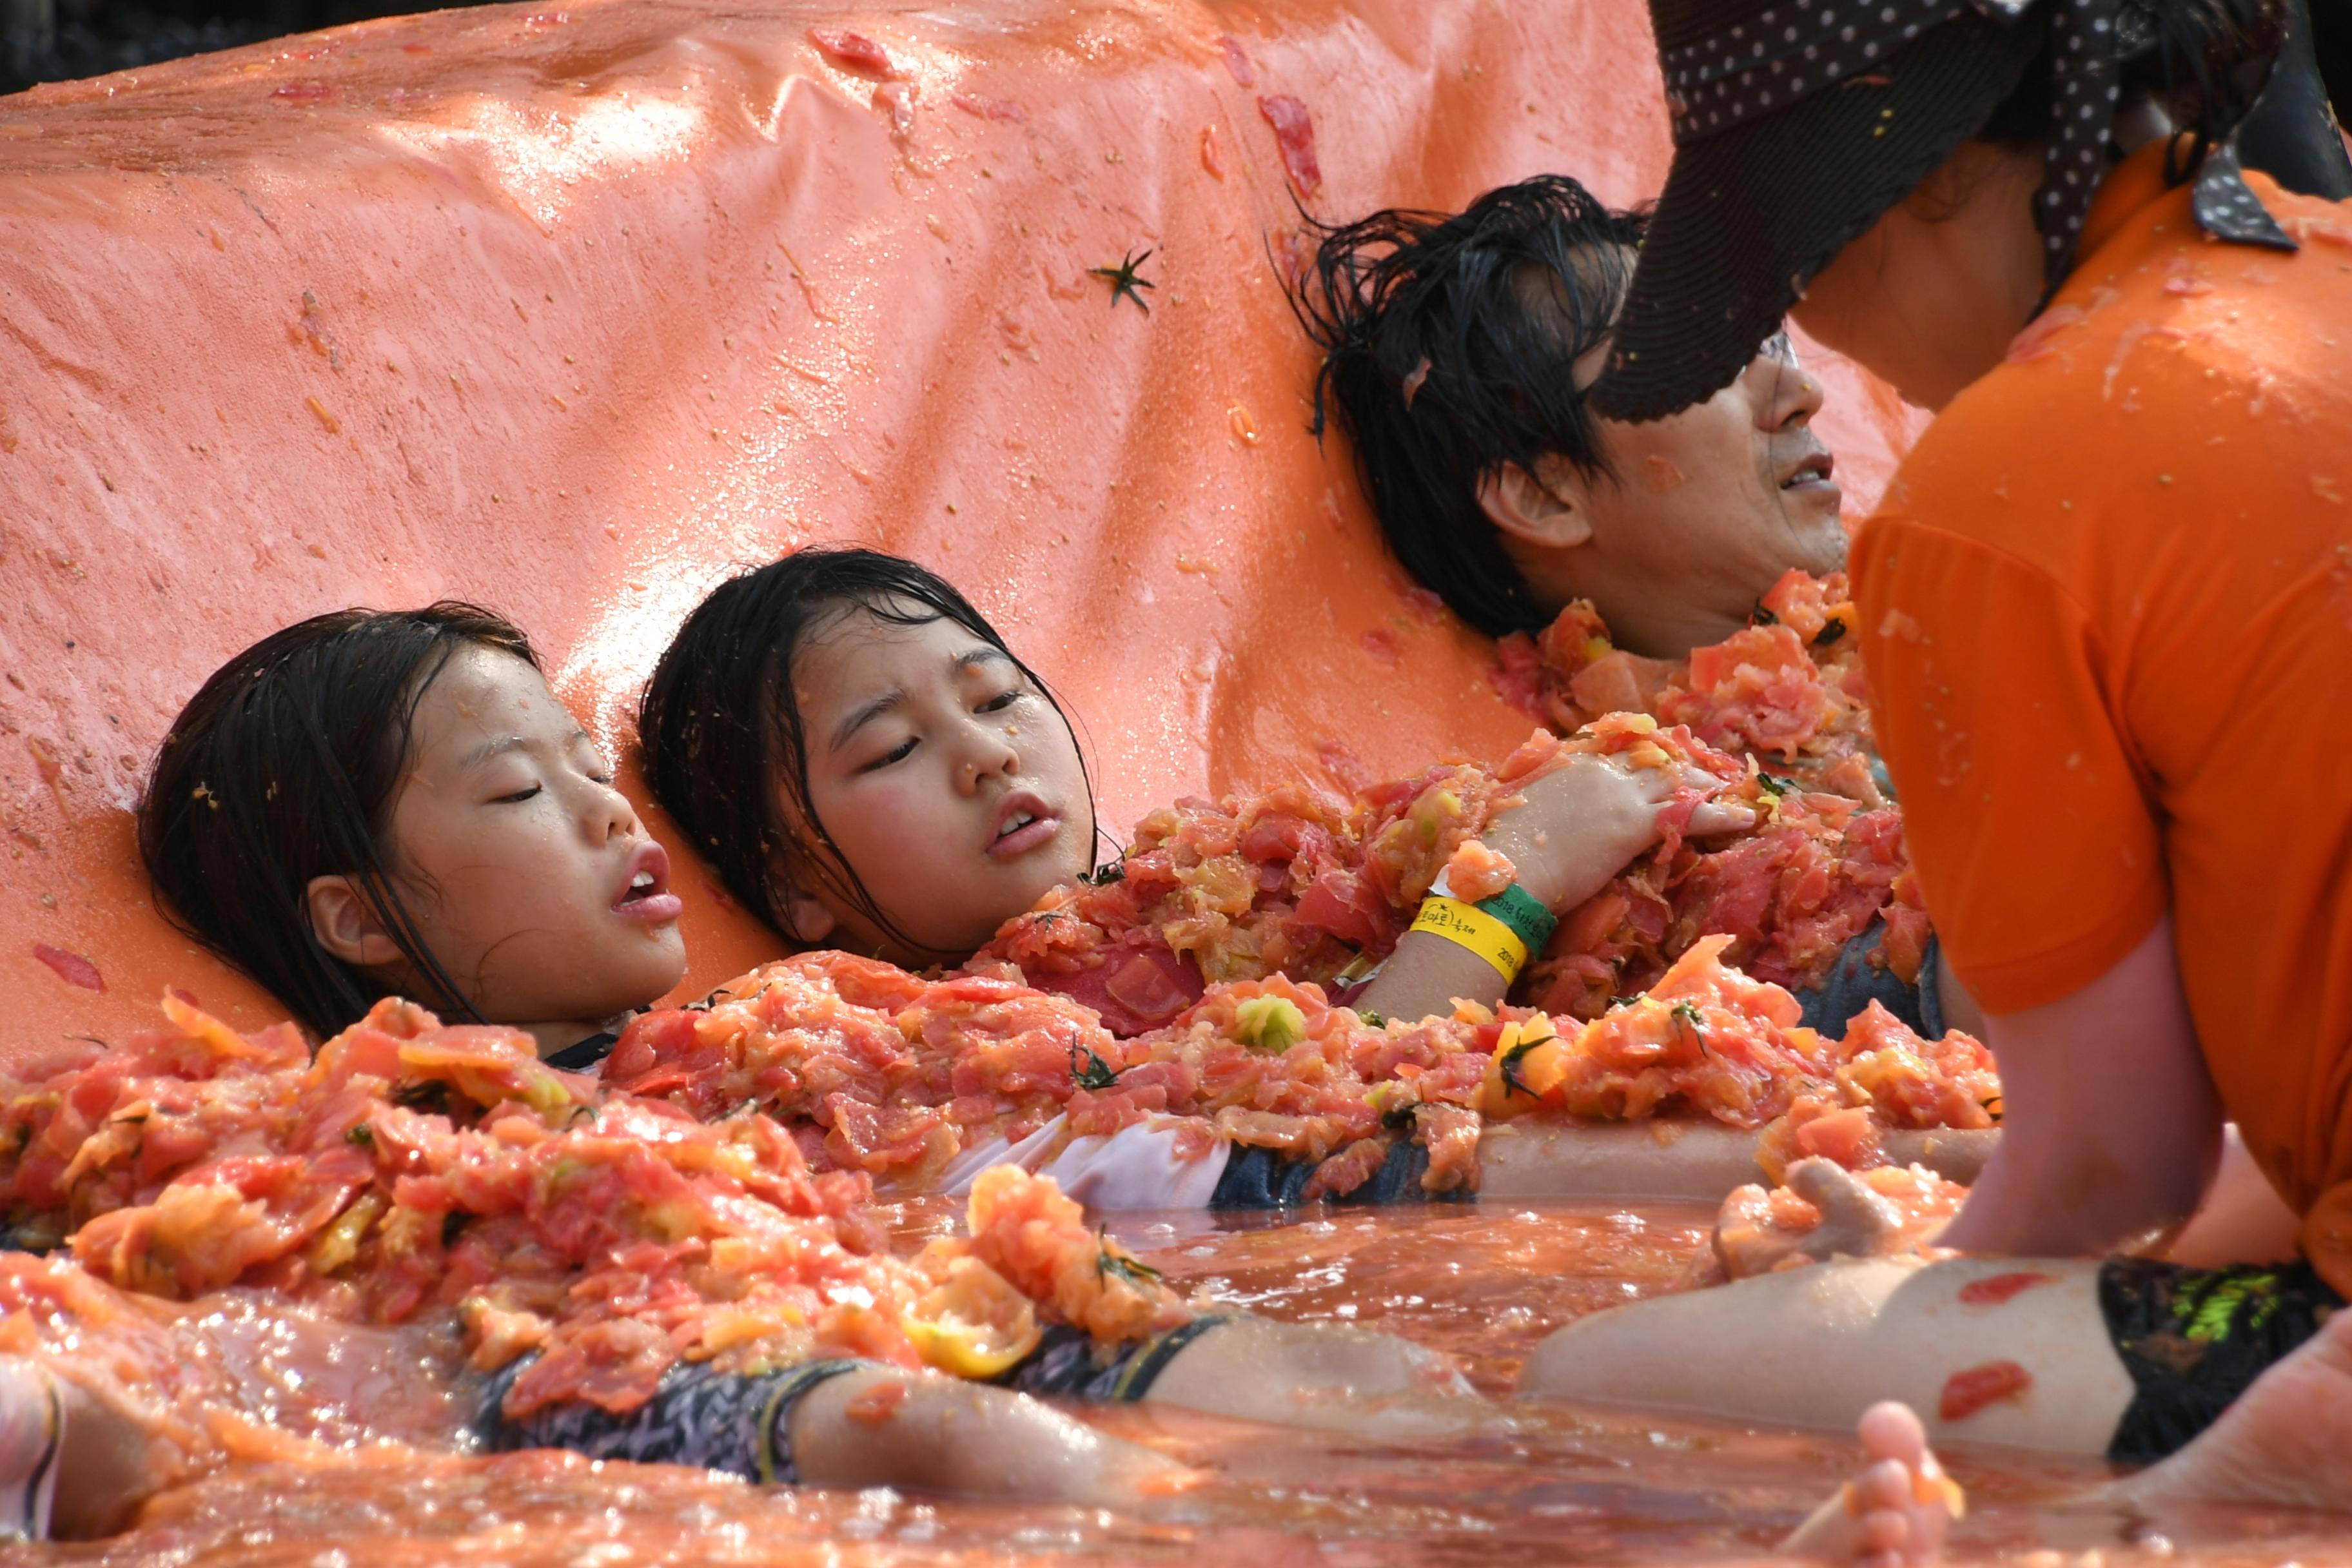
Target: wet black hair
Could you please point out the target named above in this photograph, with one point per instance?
(2203, 62)
(284, 767)
(1449, 347)
(720, 727)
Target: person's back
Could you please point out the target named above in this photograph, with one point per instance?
(2143, 521)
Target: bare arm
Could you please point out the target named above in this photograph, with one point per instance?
(2111, 1128)
(944, 1435)
(1575, 828)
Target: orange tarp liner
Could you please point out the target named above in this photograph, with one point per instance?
(571, 310)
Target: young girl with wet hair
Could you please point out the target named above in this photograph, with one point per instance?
(365, 805)
(368, 805)
(863, 759)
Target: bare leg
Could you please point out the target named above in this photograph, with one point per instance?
(1538, 1157)
(1894, 1513)
(1542, 1158)
(919, 1430)
(2287, 1441)
(1818, 1346)
(1324, 1375)
(101, 1457)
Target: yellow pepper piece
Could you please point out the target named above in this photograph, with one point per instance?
(974, 1325)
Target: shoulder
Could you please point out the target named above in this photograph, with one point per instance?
(2169, 374)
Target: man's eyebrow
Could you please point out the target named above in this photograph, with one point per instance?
(865, 713)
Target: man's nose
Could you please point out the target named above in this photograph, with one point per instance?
(1784, 394)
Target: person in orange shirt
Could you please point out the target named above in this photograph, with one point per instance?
(2107, 608)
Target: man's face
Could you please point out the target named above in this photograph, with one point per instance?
(1697, 515)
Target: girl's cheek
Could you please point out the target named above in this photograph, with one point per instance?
(880, 813)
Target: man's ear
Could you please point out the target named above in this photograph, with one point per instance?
(806, 920)
(346, 925)
(1547, 515)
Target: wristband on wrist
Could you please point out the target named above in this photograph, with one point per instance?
(1467, 925)
(1523, 914)
(1516, 907)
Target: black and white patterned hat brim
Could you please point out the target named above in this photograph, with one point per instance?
(1799, 47)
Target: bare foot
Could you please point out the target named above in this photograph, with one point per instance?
(72, 1467)
(1855, 1221)
(32, 1431)
(1894, 1514)
(2287, 1441)
(1752, 1237)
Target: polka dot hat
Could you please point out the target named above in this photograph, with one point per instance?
(1798, 122)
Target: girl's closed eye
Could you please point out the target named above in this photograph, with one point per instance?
(516, 797)
(897, 753)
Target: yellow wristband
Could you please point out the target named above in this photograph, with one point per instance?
(1467, 925)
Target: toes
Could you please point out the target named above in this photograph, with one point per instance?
(1885, 1531)
(1891, 1430)
(1885, 1485)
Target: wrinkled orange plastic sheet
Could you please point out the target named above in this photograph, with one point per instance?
(571, 312)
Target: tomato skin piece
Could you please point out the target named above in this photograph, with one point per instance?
(1975, 1389)
(853, 51)
(71, 967)
(2000, 1289)
(1237, 62)
(1294, 132)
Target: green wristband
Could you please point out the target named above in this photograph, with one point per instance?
(1518, 909)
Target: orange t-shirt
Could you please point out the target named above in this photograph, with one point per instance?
(2106, 607)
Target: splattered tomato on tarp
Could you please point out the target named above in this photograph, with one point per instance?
(414, 1167)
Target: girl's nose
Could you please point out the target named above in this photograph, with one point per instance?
(610, 816)
(990, 750)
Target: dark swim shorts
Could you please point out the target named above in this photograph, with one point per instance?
(1259, 1178)
(1854, 983)
(742, 1425)
(2194, 1338)
(713, 1420)
(1066, 1365)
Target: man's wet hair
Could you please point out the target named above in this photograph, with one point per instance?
(1449, 349)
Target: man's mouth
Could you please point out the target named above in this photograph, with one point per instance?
(1024, 822)
(1813, 470)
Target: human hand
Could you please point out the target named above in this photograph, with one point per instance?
(1576, 826)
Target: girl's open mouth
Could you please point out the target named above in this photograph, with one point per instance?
(1023, 823)
(646, 896)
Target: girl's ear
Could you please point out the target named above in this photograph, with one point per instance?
(346, 925)
(806, 920)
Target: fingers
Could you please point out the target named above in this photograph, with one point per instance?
(1720, 816)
